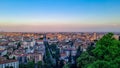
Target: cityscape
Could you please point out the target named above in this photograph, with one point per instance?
(45, 48)
(59, 34)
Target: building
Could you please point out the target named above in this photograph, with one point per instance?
(22, 58)
(3, 52)
(94, 36)
(40, 42)
(35, 57)
(8, 63)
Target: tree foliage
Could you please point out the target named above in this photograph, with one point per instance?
(67, 65)
(30, 64)
(84, 60)
(39, 64)
(106, 54)
(19, 45)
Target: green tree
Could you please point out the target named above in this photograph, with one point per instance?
(30, 64)
(79, 51)
(55, 53)
(7, 57)
(22, 65)
(6, 66)
(89, 50)
(39, 64)
(84, 60)
(105, 54)
(61, 64)
(107, 48)
(13, 57)
(67, 65)
(100, 64)
(11, 67)
(19, 45)
(46, 65)
(70, 57)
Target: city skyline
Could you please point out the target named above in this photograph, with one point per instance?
(60, 16)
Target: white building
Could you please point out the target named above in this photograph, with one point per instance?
(3, 52)
(35, 56)
(27, 44)
(9, 63)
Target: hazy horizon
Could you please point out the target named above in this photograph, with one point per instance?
(60, 16)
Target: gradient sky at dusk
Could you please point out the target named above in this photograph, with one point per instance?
(60, 15)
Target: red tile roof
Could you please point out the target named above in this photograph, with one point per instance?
(7, 61)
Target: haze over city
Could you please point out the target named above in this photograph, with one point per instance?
(59, 15)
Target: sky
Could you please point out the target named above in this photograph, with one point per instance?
(60, 15)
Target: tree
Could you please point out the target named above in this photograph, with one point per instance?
(14, 48)
(57, 56)
(13, 57)
(61, 64)
(55, 52)
(67, 65)
(46, 65)
(70, 57)
(79, 51)
(39, 64)
(107, 48)
(6, 66)
(30, 64)
(89, 49)
(19, 45)
(106, 54)
(100, 64)
(22, 65)
(7, 57)
(84, 60)
(11, 67)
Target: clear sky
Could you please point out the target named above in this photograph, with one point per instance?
(60, 15)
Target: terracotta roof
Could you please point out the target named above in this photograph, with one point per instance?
(39, 40)
(7, 61)
(20, 54)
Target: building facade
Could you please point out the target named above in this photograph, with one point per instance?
(9, 63)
